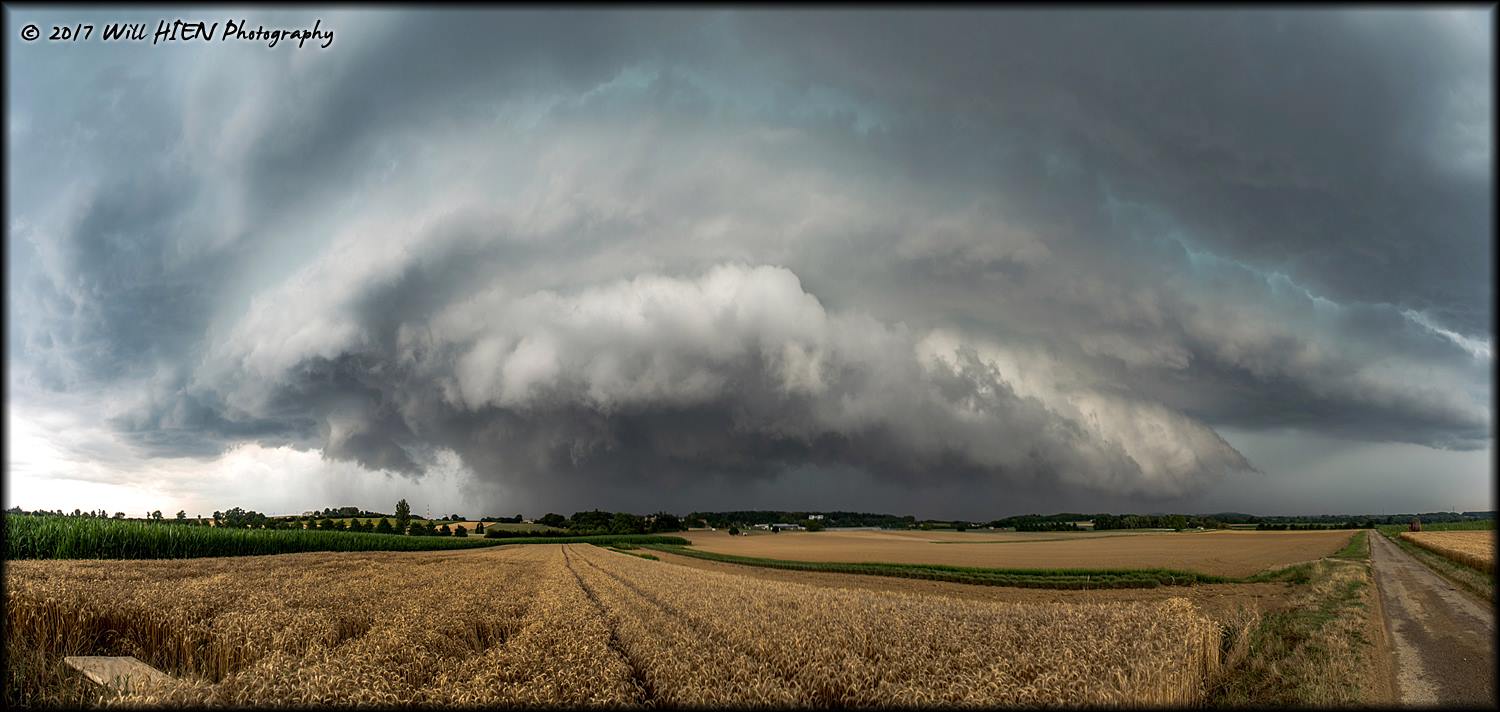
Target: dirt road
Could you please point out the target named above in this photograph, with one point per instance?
(1442, 637)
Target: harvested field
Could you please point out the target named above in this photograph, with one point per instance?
(1473, 548)
(1223, 553)
(577, 625)
(1220, 601)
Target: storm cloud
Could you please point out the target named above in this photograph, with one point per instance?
(594, 252)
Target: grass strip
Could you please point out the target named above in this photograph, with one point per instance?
(628, 550)
(1026, 578)
(1357, 549)
(1314, 653)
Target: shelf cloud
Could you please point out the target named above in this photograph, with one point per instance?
(582, 253)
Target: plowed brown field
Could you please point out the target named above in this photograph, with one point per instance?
(1225, 553)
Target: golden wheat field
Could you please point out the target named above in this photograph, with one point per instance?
(1475, 548)
(572, 625)
(1224, 552)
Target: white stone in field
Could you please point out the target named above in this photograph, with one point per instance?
(119, 672)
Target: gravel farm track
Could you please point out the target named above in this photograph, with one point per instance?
(1442, 637)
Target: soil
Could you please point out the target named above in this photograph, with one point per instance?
(1442, 637)
(1217, 601)
(1227, 553)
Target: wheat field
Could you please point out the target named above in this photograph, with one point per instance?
(1475, 548)
(577, 625)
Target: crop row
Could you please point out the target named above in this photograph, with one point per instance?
(48, 537)
(1471, 548)
(580, 626)
(714, 638)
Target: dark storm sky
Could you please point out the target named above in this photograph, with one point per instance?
(955, 263)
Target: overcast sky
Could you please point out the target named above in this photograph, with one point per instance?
(945, 264)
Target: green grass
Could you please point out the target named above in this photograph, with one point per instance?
(1026, 578)
(48, 537)
(1358, 547)
(1308, 654)
(628, 550)
(1464, 526)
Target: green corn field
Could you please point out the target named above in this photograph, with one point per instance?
(43, 537)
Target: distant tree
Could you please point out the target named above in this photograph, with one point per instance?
(478, 528)
(961, 526)
(734, 531)
(813, 525)
(553, 520)
(384, 527)
(156, 515)
(455, 518)
(403, 516)
(445, 531)
(325, 524)
(626, 523)
(119, 515)
(593, 520)
(181, 515)
(1416, 524)
(663, 522)
(460, 531)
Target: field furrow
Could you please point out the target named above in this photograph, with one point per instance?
(684, 664)
(912, 649)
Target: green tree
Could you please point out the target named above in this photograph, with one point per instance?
(445, 531)
(460, 531)
(626, 523)
(403, 516)
(478, 529)
(591, 521)
(734, 531)
(384, 527)
(663, 522)
(181, 515)
(553, 520)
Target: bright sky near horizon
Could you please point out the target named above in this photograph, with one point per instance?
(958, 263)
